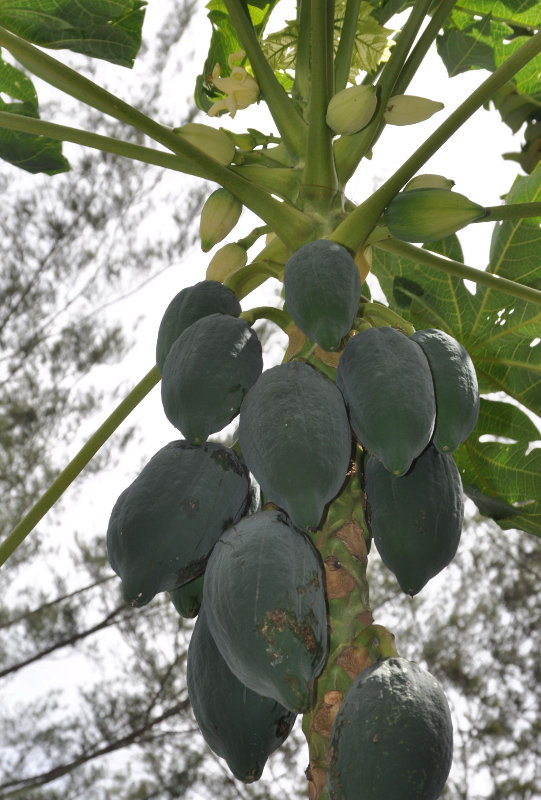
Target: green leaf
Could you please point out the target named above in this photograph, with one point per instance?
(469, 44)
(527, 80)
(504, 478)
(27, 151)
(107, 29)
(523, 13)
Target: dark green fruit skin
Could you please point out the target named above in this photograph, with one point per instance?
(455, 387)
(392, 738)
(187, 598)
(322, 291)
(388, 389)
(206, 374)
(189, 305)
(265, 602)
(295, 438)
(239, 725)
(415, 520)
(164, 525)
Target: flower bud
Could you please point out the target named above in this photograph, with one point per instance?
(351, 109)
(426, 215)
(406, 109)
(429, 182)
(213, 142)
(219, 216)
(227, 260)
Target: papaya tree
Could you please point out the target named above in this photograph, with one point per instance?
(384, 412)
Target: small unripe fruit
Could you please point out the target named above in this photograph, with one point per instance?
(426, 215)
(407, 109)
(219, 216)
(350, 110)
(227, 260)
(214, 143)
(429, 181)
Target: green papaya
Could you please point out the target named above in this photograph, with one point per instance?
(322, 289)
(388, 389)
(455, 387)
(415, 520)
(295, 439)
(239, 725)
(265, 602)
(187, 598)
(189, 305)
(207, 372)
(392, 738)
(427, 215)
(164, 525)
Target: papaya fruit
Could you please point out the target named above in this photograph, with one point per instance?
(239, 725)
(455, 387)
(415, 520)
(427, 215)
(295, 438)
(388, 389)
(207, 372)
(392, 738)
(189, 305)
(322, 288)
(265, 602)
(164, 525)
(187, 598)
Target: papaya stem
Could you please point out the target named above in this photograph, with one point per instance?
(77, 464)
(319, 178)
(276, 315)
(511, 211)
(344, 52)
(379, 313)
(356, 227)
(488, 279)
(289, 122)
(301, 85)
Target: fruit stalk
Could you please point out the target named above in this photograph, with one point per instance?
(343, 543)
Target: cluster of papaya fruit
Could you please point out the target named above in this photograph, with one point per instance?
(193, 522)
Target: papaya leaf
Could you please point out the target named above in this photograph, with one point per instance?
(27, 151)
(469, 43)
(503, 478)
(522, 13)
(527, 79)
(371, 46)
(106, 29)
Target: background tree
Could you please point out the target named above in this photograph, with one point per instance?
(152, 715)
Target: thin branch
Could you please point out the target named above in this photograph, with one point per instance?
(488, 279)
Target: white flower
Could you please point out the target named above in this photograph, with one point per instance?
(240, 87)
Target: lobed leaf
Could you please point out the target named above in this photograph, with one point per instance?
(107, 29)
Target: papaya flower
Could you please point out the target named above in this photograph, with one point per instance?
(241, 88)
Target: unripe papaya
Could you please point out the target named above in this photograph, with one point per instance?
(207, 372)
(426, 215)
(215, 143)
(429, 181)
(265, 603)
(407, 109)
(295, 438)
(322, 289)
(455, 387)
(164, 525)
(389, 394)
(239, 725)
(392, 738)
(225, 261)
(219, 216)
(187, 598)
(189, 305)
(351, 109)
(415, 520)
